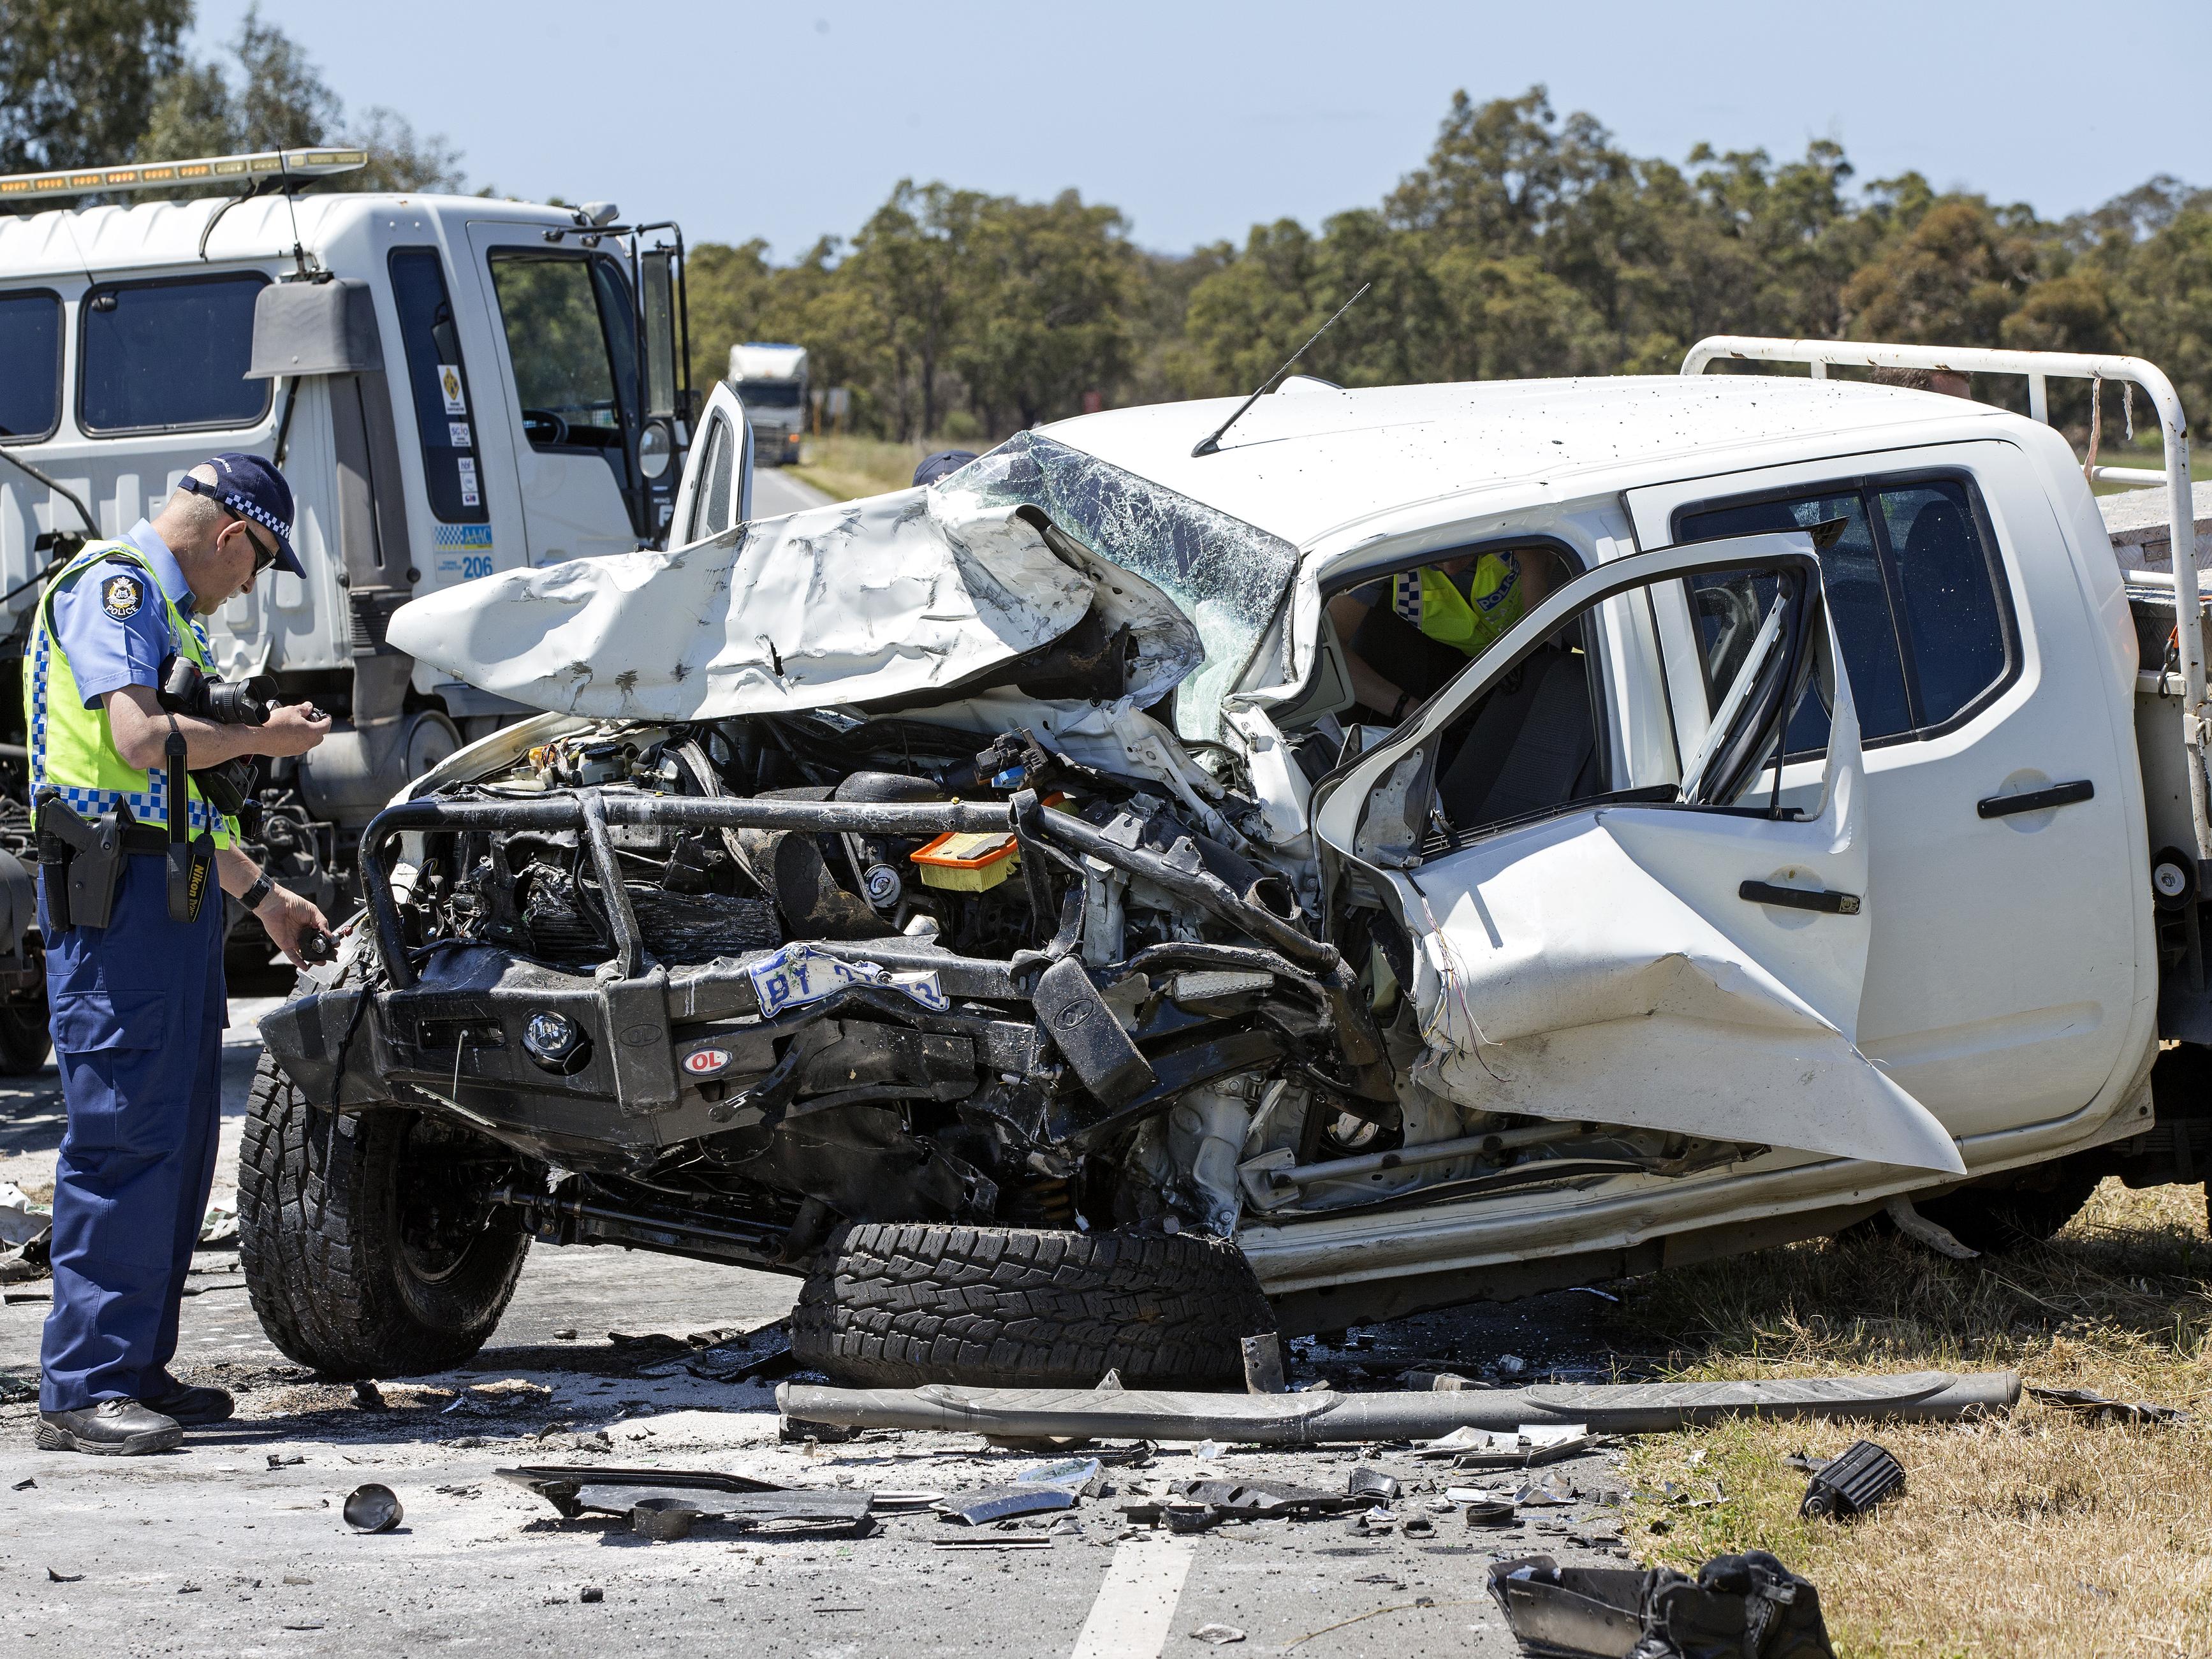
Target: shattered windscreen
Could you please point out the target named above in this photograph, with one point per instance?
(1226, 576)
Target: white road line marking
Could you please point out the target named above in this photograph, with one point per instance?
(1136, 1604)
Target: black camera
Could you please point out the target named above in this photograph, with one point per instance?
(187, 689)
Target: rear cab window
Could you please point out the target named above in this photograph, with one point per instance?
(1915, 585)
(30, 364)
(169, 355)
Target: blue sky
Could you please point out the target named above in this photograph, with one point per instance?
(1197, 120)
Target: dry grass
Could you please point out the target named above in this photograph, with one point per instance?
(847, 467)
(2044, 1534)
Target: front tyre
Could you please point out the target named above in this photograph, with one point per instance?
(367, 1243)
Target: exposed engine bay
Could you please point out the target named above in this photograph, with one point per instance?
(714, 988)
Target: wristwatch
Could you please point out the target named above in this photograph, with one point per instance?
(263, 885)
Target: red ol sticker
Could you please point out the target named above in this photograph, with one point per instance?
(706, 1062)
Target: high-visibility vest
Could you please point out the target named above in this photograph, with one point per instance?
(72, 747)
(1470, 622)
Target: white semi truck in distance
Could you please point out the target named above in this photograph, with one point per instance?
(770, 381)
(454, 385)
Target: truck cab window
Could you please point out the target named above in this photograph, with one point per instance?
(170, 356)
(570, 338)
(445, 415)
(30, 363)
(1912, 583)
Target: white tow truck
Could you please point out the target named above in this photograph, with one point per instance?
(454, 387)
(990, 885)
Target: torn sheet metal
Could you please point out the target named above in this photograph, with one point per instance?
(579, 1489)
(1309, 1419)
(849, 603)
(1524, 1447)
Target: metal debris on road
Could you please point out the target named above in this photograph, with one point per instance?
(1852, 1482)
(1306, 1420)
(1263, 1365)
(285, 1460)
(1522, 1448)
(55, 1576)
(1219, 1635)
(576, 1491)
(993, 1504)
(1017, 1541)
(1363, 1482)
(1200, 1505)
(2099, 1408)
(373, 1508)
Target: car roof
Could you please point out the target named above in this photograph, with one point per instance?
(1315, 459)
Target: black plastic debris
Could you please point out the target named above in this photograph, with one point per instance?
(1738, 1606)
(373, 1508)
(1852, 1482)
(577, 1490)
(2100, 1409)
(367, 1397)
(664, 1519)
(1372, 1484)
(1200, 1505)
(590, 1593)
(285, 1460)
(54, 1576)
(24, 1484)
(1492, 1512)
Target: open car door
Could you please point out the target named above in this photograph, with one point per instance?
(717, 490)
(1661, 945)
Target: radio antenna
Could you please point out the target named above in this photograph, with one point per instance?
(1212, 442)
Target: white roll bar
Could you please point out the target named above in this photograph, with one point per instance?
(2037, 368)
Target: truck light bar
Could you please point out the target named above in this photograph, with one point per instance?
(167, 175)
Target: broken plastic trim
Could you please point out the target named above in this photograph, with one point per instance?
(1312, 1419)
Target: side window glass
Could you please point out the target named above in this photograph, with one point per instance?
(563, 375)
(30, 364)
(710, 507)
(444, 414)
(169, 356)
(1952, 613)
(1851, 574)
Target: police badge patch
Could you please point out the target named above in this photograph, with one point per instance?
(121, 596)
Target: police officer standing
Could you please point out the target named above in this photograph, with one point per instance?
(128, 844)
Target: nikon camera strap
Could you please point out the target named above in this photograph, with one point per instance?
(190, 862)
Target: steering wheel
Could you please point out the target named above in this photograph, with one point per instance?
(544, 426)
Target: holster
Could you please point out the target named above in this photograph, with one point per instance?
(82, 863)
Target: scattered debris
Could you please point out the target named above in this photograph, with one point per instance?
(1738, 1606)
(1207, 1451)
(664, 1520)
(1522, 1448)
(707, 1494)
(1428, 1382)
(1219, 1635)
(1511, 1364)
(566, 1335)
(2097, 1407)
(982, 1508)
(1000, 1541)
(1852, 1482)
(1487, 1510)
(17, 1386)
(498, 1399)
(58, 1578)
(20, 1219)
(1200, 1505)
(1365, 1482)
(1263, 1366)
(24, 1484)
(366, 1396)
(373, 1508)
(219, 1226)
(590, 1593)
(1305, 1419)
(285, 1460)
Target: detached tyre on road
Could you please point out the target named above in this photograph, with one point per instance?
(895, 1306)
(367, 1246)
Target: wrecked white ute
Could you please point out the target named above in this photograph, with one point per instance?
(988, 901)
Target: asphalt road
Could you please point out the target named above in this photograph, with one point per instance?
(213, 1550)
(775, 493)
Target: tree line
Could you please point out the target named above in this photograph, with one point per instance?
(1526, 243)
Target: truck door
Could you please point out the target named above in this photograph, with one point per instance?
(567, 380)
(2005, 970)
(1657, 947)
(717, 491)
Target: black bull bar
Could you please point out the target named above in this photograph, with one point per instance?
(1044, 836)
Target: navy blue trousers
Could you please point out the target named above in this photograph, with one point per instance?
(137, 1017)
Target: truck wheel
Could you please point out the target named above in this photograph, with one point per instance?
(367, 1247)
(1997, 1219)
(894, 1305)
(25, 1043)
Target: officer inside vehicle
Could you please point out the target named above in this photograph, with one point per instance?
(1406, 635)
(130, 839)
